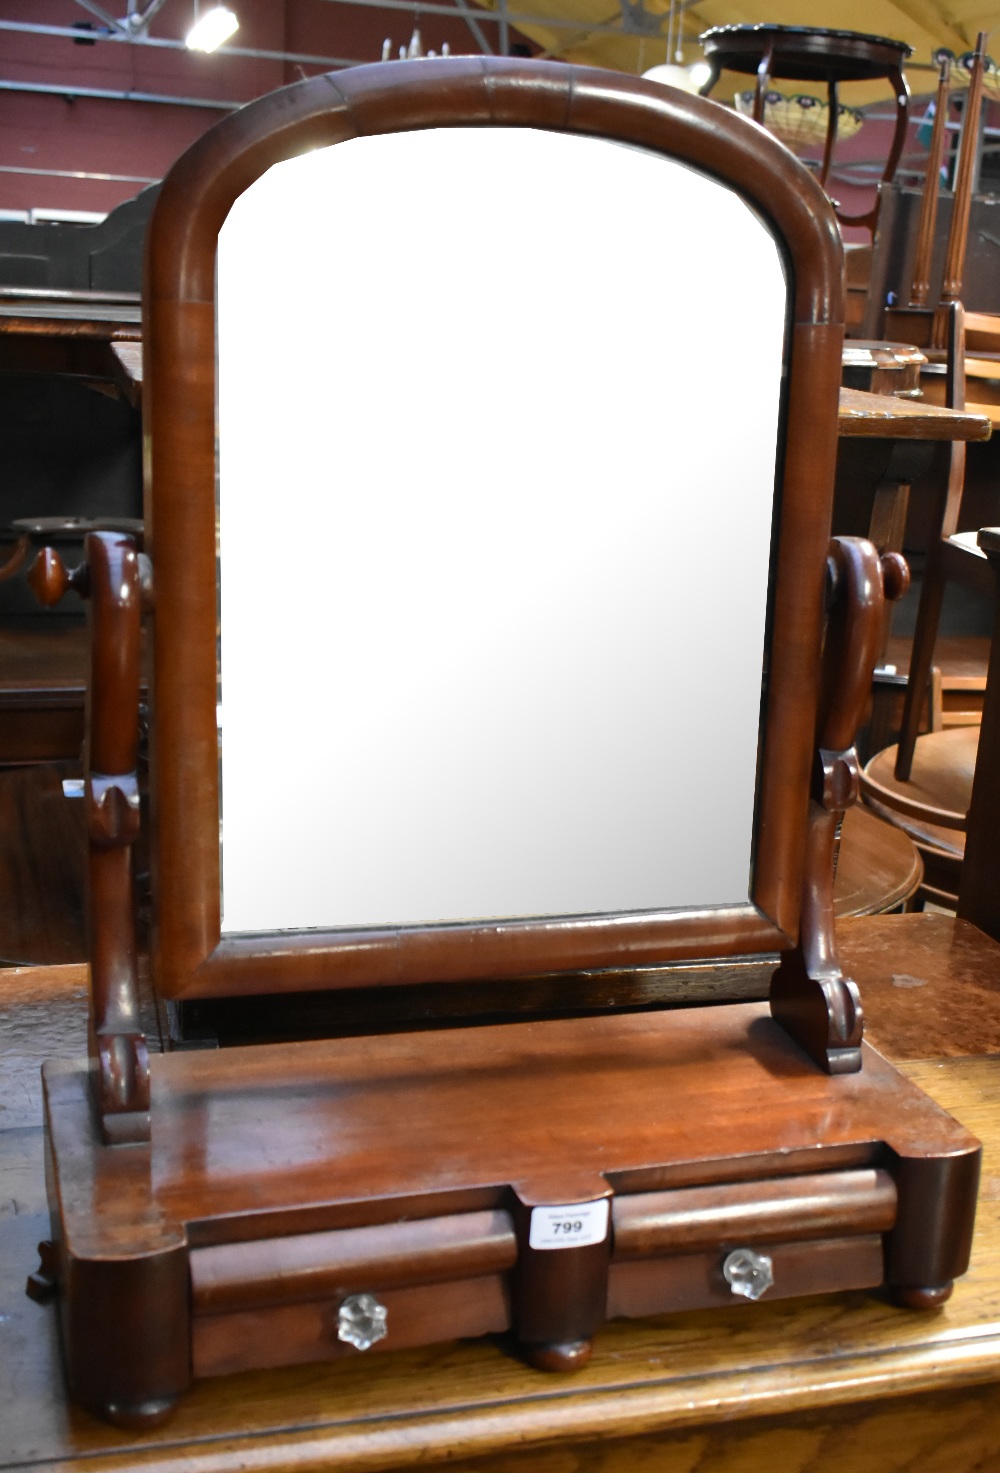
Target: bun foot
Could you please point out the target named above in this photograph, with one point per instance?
(572, 1355)
(139, 1417)
(922, 1298)
(42, 1284)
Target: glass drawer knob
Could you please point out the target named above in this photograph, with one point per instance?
(748, 1273)
(361, 1320)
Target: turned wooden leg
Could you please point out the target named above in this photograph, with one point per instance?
(572, 1355)
(930, 1244)
(560, 1286)
(924, 1299)
(921, 659)
(141, 1417)
(42, 1284)
(126, 1331)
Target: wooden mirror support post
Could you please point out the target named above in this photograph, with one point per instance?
(231, 1210)
(114, 579)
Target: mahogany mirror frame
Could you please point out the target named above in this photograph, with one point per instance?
(191, 958)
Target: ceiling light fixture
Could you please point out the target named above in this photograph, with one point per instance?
(687, 78)
(211, 29)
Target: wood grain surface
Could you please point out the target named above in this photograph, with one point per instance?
(42, 849)
(127, 358)
(443, 1121)
(66, 331)
(844, 1382)
(930, 806)
(878, 867)
(880, 416)
(42, 682)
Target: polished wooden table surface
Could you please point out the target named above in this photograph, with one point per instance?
(33, 325)
(871, 416)
(842, 1383)
(885, 417)
(41, 311)
(65, 332)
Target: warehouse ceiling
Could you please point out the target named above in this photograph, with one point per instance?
(626, 35)
(98, 97)
(923, 24)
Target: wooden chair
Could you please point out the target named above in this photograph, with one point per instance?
(955, 804)
(923, 783)
(943, 330)
(979, 894)
(461, 578)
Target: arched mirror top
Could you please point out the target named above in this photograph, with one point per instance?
(332, 108)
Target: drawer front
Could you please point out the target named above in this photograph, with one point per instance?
(293, 1334)
(831, 1204)
(696, 1280)
(278, 1301)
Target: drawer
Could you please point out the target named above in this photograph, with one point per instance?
(696, 1280)
(821, 1233)
(277, 1301)
(293, 1334)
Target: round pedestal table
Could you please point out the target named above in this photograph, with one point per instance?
(814, 54)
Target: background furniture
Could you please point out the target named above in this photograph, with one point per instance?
(930, 805)
(943, 327)
(979, 896)
(814, 54)
(949, 791)
(70, 442)
(75, 259)
(886, 448)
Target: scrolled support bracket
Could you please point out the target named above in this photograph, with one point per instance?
(810, 996)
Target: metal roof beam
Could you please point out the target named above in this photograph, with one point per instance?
(102, 15)
(138, 20)
(504, 28)
(78, 174)
(498, 17)
(472, 22)
(56, 89)
(37, 29)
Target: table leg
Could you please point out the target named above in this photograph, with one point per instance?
(902, 91)
(760, 94)
(831, 130)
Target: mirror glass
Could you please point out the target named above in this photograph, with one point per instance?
(498, 417)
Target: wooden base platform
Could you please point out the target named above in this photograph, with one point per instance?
(424, 1169)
